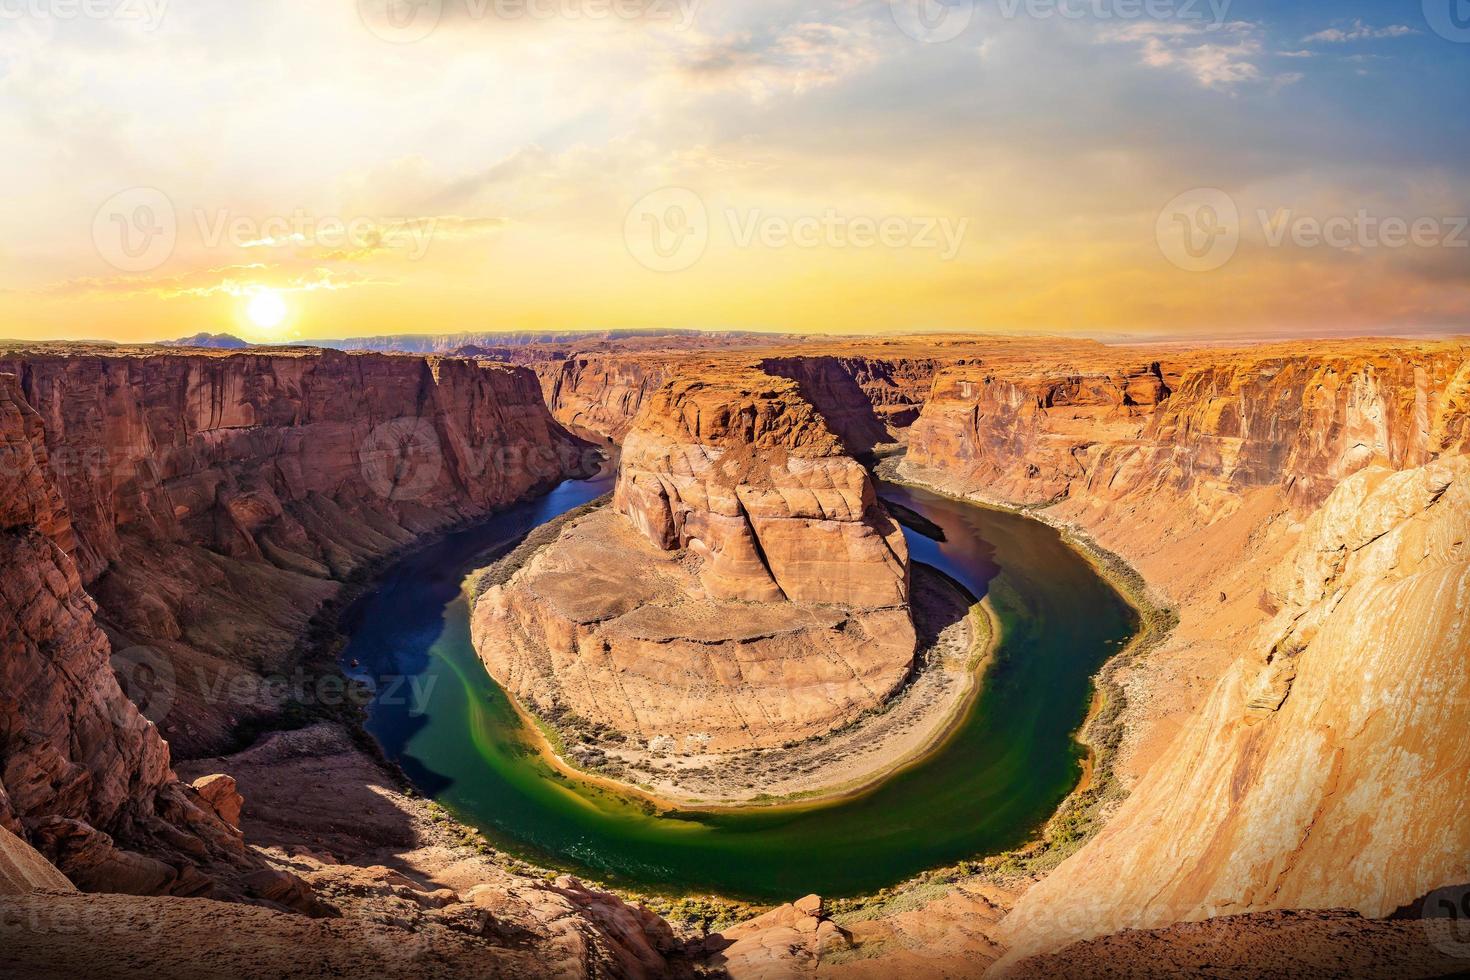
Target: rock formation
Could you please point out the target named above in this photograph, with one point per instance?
(1309, 503)
(751, 479)
(602, 395)
(83, 775)
(1207, 423)
(1292, 745)
(749, 591)
(217, 501)
(1317, 774)
(211, 503)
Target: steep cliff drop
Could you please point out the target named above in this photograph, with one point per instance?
(746, 590)
(1317, 774)
(83, 775)
(1313, 772)
(87, 778)
(212, 503)
(218, 501)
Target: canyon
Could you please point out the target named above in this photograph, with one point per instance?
(1301, 510)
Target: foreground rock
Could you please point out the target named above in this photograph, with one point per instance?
(1303, 507)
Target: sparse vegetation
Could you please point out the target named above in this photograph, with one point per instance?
(504, 569)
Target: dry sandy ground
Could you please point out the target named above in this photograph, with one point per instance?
(1265, 944)
(64, 937)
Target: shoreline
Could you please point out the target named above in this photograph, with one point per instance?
(983, 640)
(1026, 861)
(1080, 814)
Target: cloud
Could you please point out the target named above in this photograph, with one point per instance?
(232, 280)
(366, 239)
(1216, 57)
(1358, 31)
(801, 57)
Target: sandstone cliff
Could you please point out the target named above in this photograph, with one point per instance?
(83, 775)
(211, 504)
(1304, 507)
(1206, 423)
(602, 395)
(218, 501)
(748, 476)
(1318, 773)
(749, 590)
(869, 389)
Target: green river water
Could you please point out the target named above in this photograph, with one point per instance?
(1008, 765)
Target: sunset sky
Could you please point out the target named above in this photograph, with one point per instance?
(290, 169)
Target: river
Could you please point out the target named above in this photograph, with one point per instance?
(988, 788)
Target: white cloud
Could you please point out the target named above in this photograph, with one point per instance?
(1358, 31)
(1216, 57)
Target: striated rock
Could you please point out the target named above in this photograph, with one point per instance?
(1317, 774)
(219, 499)
(23, 871)
(760, 594)
(748, 476)
(1209, 424)
(75, 754)
(638, 645)
(437, 892)
(872, 392)
(788, 941)
(602, 395)
(95, 863)
(213, 503)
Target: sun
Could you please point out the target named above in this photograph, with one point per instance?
(267, 309)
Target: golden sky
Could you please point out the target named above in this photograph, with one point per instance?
(289, 170)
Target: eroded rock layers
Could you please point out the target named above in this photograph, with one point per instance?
(174, 522)
(749, 589)
(219, 500)
(1211, 422)
(1318, 773)
(1310, 502)
(78, 762)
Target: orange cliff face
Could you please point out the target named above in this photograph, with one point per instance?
(174, 521)
(757, 592)
(217, 501)
(1319, 772)
(747, 475)
(1304, 507)
(1297, 417)
(83, 775)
